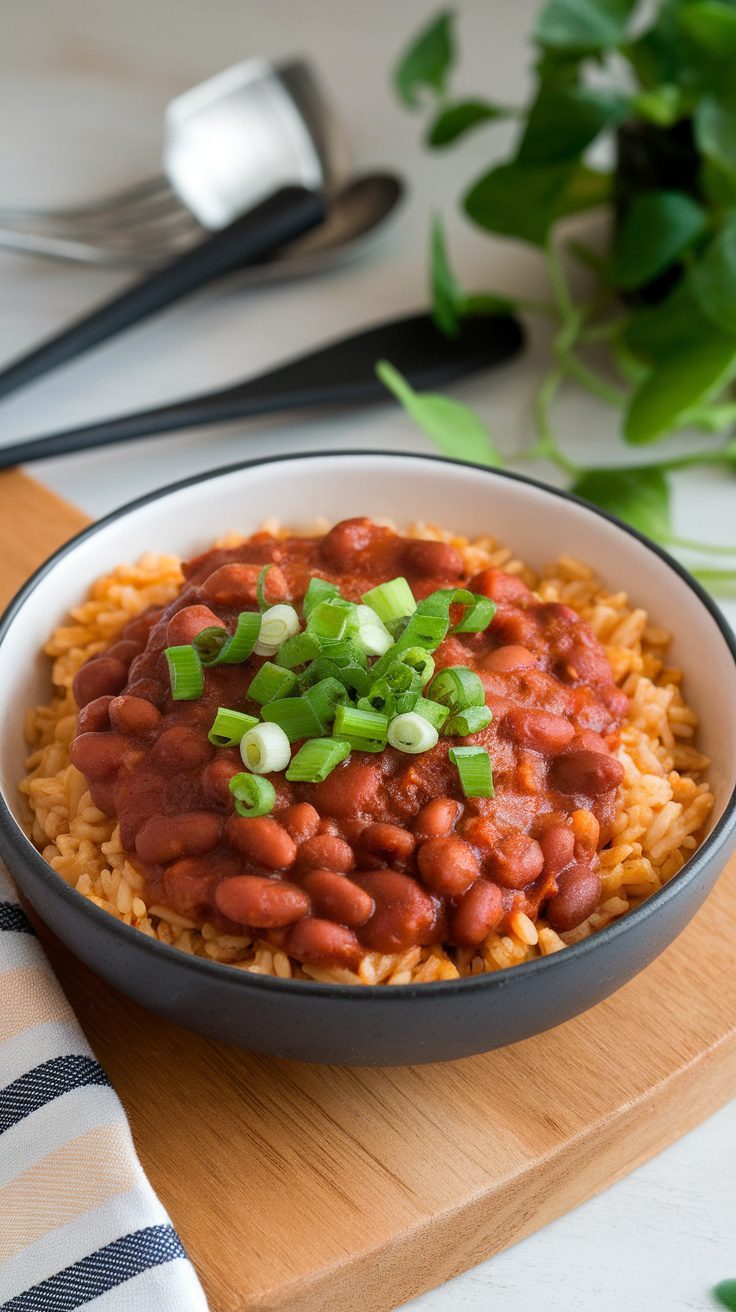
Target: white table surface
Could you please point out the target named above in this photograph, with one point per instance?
(82, 92)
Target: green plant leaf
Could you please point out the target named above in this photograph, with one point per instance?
(713, 279)
(673, 324)
(715, 132)
(662, 105)
(448, 297)
(583, 24)
(725, 1294)
(641, 497)
(687, 377)
(524, 201)
(658, 227)
(453, 427)
(711, 24)
(453, 121)
(427, 62)
(563, 121)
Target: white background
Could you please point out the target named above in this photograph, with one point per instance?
(82, 91)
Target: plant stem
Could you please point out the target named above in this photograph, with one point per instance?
(567, 311)
(707, 548)
(720, 581)
(592, 381)
(604, 332)
(546, 447)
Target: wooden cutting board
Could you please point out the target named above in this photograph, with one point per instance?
(312, 1189)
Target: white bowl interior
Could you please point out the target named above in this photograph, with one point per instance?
(537, 524)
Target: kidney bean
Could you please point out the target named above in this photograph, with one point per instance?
(517, 861)
(262, 840)
(349, 790)
(260, 902)
(126, 650)
(216, 776)
(558, 848)
(347, 540)
(500, 586)
(435, 560)
(578, 894)
(184, 626)
(540, 730)
(100, 676)
(518, 628)
(323, 943)
(404, 913)
(149, 689)
(300, 820)
(95, 716)
(134, 715)
(98, 755)
(437, 818)
(237, 586)
(189, 886)
(326, 852)
(478, 912)
(506, 659)
(181, 748)
(337, 898)
(479, 830)
(447, 865)
(590, 773)
(390, 844)
(163, 838)
(587, 832)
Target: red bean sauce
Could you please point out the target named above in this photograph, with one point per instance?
(386, 853)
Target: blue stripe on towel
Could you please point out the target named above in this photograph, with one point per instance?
(101, 1271)
(12, 918)
(44, 1083)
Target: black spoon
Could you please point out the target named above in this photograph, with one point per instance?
(341, 373)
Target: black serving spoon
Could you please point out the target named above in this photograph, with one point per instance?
(341, 373)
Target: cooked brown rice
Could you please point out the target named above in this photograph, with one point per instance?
(663, 803)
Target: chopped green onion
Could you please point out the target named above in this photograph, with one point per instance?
(215, 646)
(370, 633)
(296, 716)
(329, 619)
(406, 701)
(325, 696)
(432, 711)
(253, 796)
(261, 588)
(412, 733)
(419, 659)
(457, 687)
(391, 600)
(186, 675)
(471, 720)
(316, 759)
(298, 650)
(270, 682)
(478, 611)
(380, 697)
(265, 748)
(425, 631)
(277, 624)
(344, 652)
(350, 676)
(317, 591)
(474, 768)
(360, 726)
(229, 726)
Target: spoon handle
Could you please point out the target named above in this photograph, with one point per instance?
(282, 217)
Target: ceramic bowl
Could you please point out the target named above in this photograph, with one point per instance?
(339, 1023)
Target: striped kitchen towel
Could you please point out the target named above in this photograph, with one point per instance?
(79, 1223)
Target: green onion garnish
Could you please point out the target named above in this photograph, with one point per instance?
(317, 591)
(370, 633)
(265, 748)
(457, 687)
(186, 675)
(215, 646)
(300, 649)
(432, 711)
(296, 716)
(425, 631)
(316, 759)
(261, 588)
(412, 733)
(270, 682)
(329, 619)
(419, 659)
(474, 768)
(365, 730)
(478, 611)
(229, 726)
(325, 696)
(277, 624)
(391, 601)
(343, 652)
(471, 720)
(253, 796)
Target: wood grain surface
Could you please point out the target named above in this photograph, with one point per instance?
(312, 1189)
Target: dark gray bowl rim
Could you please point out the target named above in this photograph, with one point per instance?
(501, 979)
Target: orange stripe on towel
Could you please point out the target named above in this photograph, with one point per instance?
(72, 1180)
(29, 996)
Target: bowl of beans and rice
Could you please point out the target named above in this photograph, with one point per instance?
(363, 758)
